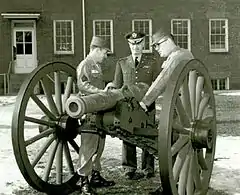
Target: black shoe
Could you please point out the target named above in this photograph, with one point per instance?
(158, 191)
(148, 173)
(97, 181)
(132, 175)
(85, 186)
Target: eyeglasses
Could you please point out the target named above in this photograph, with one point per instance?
(159, 43)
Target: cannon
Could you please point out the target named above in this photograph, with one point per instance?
(182, 138)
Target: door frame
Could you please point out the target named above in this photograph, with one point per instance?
(34, 41)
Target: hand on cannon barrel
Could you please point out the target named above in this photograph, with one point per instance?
(110, 86)
(144, 107)
(135, 90)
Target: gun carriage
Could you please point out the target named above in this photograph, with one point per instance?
(182, 134)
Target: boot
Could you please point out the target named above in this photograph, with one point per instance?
(97, 181)
(85, 186)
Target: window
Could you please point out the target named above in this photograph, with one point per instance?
(180, 29)
(218, 35)
(104, 29)
(220, 84)
(144, 26)
(63, 37)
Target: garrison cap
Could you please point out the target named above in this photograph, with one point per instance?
(159, 35)
(135, 37)
(99, 42)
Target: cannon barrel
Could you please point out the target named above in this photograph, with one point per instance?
(77, 105)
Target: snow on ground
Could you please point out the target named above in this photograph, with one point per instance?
(225, 176)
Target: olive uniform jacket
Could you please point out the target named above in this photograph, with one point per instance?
(89, 77)
(146, 71)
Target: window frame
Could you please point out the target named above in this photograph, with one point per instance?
(189, 38)
(111, 31)
(219, 50)
(150, 50)
(55, 41)
(218, 83)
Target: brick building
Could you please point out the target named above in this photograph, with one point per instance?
(32, 33)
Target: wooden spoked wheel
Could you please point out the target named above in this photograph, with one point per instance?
(187, 131)
(42, 134)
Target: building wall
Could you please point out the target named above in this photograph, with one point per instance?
(122, 13)
(161, 13)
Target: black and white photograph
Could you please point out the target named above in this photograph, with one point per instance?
(120, 97)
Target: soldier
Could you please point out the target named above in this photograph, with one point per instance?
(90, 81)
(164, 44)
(137, 67)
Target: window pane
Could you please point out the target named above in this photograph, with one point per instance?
(19, 36)
(214, 84)
(222, 84)
(218, 34)
(103, 29)
(63, 36)
(28, 48)
(180, 32)
(28, 36)
(19, 48)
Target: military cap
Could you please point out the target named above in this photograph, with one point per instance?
(99, 42)
(160, 34)
(135, 37)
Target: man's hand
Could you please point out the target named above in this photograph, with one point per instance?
(109, 86)
(144, 107)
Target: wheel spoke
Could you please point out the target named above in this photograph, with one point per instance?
(74, 145)
(42, 150)
(196, 172)
(50, 161)
(43, 107)
(182, 184)
(67, 90)
(185, 97)
(182, 115)
(178, 128)
(179, 161)
(39, 136)
(177, 146)
(202, 106)
(192, 90)
(59, 163)
(58, 95)
(46, 83)
(40, 122)
(190, 183)
(201, 160)
(68, 157)
(199, 89)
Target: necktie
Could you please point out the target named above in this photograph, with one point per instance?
(136, 61)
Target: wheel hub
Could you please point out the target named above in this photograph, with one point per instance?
(66, 128)
(201, 135)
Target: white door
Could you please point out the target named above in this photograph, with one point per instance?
(24, 41)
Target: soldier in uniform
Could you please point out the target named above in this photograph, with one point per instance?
(137, 67)
(163, 43)
(90, 81)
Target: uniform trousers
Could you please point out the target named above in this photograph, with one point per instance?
(90, 152)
